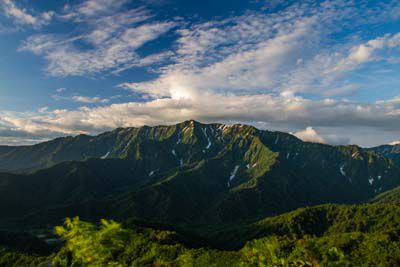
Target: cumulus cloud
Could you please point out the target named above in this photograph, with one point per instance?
(22, 17)
(310, 135)
(328, 137)
(369, 51)
(289, 113)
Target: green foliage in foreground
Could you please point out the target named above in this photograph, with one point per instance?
(109, 244)
(12, 258)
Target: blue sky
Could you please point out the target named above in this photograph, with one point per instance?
(327, 71)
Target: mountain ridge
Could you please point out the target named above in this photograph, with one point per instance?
(190, 173)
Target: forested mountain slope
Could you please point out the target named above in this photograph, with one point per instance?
(187, 174)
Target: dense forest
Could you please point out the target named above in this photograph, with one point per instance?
(327, 235)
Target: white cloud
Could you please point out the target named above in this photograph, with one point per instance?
(251, 68)
(394, 143)
(43, 109)
(288, 113)
(114, 40)
(92, 8)
(310, 135)
(81, 99)
(22, 17)
(369, 51)
(90, 100)
(210, 59)
(325, 73)
(61, 90)
(284, 51)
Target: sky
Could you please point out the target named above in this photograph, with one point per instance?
(326, 71)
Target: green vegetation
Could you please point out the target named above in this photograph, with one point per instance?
(330, 235)
(182, 175)
(388, 197)
(11, 258)
(229, 195)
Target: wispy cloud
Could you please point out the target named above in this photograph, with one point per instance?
(258, 68)
(91, 100)
(81, 99)
(290, 50)
(113, 38)
(92, 8)
(22, 17)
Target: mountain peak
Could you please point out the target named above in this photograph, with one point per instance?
(190, 122)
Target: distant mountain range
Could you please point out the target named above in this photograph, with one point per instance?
(389, 151)
(185, 174)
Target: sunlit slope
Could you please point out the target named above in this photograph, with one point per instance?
(191, 173)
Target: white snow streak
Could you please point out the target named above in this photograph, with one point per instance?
(208, 139)
(371, 181)
(233, 174)
(342, 170)
(344, 173)
(106, 155)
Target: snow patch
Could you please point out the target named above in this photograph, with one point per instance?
(288, 155)
(277, 139)
(179, 138)
(342, 170)
(371, 180)
(208, 139)
(173, 152)
(379, 177)
(127, 145)
(105, 155)
(151, 173)
(233, 174)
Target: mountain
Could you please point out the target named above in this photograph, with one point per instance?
(196, 194)
(316, 221)
(389, 151)
(388, 197)
(187, 174)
